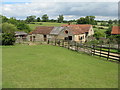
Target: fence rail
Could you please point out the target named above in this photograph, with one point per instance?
(98, 50)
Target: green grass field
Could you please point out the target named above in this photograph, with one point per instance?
(46, 66)
(33, 26)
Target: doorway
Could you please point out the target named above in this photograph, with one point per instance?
(69, 37)
(30, 38)
(45, 37)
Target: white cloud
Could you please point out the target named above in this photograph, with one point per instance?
(61, 0)
(53, 9)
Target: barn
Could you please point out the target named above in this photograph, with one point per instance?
(78, 33)
(20, 36)
(41, 33)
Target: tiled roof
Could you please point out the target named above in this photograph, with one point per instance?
(42, 30)
(115, 30)
(79, 28)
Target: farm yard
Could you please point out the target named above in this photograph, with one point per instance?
(46, 66)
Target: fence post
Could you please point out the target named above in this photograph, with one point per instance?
(94, 49)
(119, 50)
(48, 41)
(108, 52)
(91, 46)
(77, 47)
(84, 47)
(100, 49)
(55, 42)
(68, 44)
(59, 42)
(63, 43)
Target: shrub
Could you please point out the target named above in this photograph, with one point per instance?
(8, 39)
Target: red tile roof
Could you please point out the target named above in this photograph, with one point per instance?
(42, 30)
(115, 30)
(79, 28)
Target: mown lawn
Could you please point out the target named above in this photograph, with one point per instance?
(33, 26)
(46, 66)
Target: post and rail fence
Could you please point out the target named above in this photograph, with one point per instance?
(100, 50)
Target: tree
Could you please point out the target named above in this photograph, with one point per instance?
(8, 28)
(87, 20)
(24, 27)
(13, 20)
(3, 19)
(99, 34)
(52, 20)
(115, 22)
(60, 19)
(108, 31)
(8, 35)
(45, 18)
(31, 19)
(38, 19)
(81, 21)
(8, 39)
(110, 22)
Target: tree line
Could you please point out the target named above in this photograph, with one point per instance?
(44, 18)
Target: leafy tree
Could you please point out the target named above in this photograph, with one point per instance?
(45, 18)
(24, 27)
(110, 22)
(38, 19)
(115, 22)
(99, 34)
(8, 28)
(52, 20)
(13, 20)
(81, 21)
(8, 35)
(108, 32)
(3, 19)
(31, 19)
(8, 39)
(87, 20)
(60, 19)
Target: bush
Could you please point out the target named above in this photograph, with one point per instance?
(8, 39)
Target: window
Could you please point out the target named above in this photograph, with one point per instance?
(80, 38)
(34, 37)
(66, 32)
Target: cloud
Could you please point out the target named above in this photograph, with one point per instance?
(61, 1)
(71, 10)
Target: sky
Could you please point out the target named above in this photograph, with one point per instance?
(72, 9)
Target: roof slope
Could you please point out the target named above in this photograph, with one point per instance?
(42, 30)
(20, 33)
(56, 30)
(79, 28)
(115, 30)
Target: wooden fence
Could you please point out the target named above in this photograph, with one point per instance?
(99, 50)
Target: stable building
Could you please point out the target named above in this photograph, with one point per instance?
(78, 33)
(21, 36)
(41, 33)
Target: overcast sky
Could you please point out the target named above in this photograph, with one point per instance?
(70, 10)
